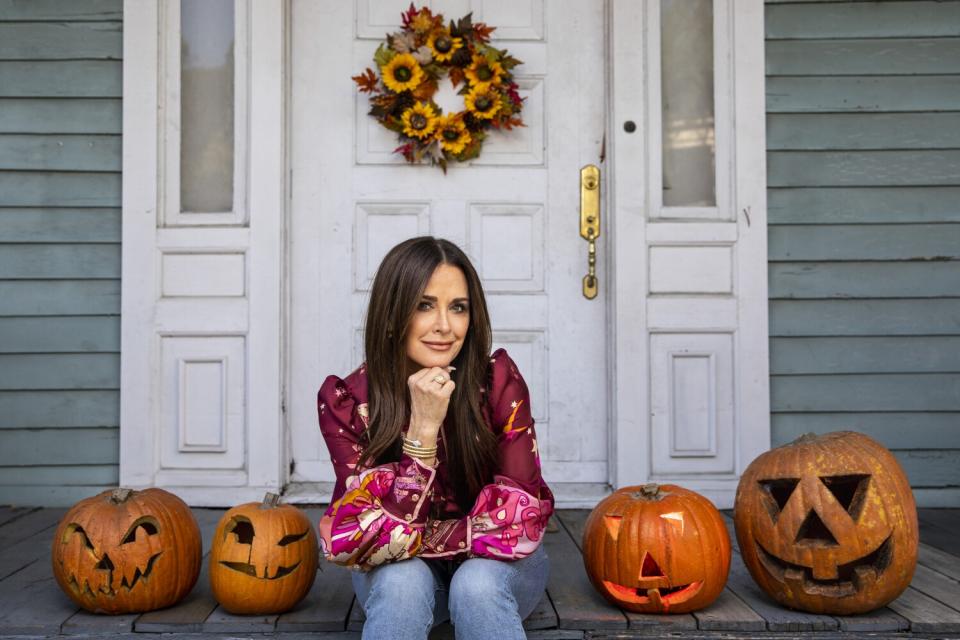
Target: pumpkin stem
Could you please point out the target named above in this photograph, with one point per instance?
(270, 500)
(807, 437)
(650, 490)
(120, 495)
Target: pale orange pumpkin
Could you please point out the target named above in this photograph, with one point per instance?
(657, 549)
(264, 557)
(828, 524)
(126, 551)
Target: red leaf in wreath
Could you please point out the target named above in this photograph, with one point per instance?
(514, 95)
(408, 16)
(367, 81)
(482, 31)
(406, 149)
(508, 123)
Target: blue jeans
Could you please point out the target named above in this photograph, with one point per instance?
(483, 598)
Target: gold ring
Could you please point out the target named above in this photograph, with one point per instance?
(439, 379)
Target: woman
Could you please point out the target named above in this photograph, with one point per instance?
(439, 502)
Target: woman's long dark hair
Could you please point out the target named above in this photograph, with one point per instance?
(397, 288)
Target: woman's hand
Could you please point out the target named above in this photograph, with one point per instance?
(430, 391)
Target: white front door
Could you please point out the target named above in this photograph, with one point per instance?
(514, 210)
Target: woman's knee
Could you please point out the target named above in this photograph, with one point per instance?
(407, 583)
(481, 583)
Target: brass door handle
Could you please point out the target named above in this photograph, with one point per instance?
(590, 225)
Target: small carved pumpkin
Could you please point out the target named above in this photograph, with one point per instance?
(126, 551)
(828, 524)
(264, 557)
(657, 549)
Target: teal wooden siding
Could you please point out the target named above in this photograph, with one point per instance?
(863, 137)
(60, 125)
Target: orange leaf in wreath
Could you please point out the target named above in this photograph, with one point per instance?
(456, 76)
(367, 81)
(508, 123)
(482, 31)
(425, 89)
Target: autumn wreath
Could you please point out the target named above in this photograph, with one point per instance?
(413, 61)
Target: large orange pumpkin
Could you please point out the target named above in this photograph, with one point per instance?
(657, 549)
(828, 524)
(264, 557)
(126, 551)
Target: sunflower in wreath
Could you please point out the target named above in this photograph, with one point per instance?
(413, 61)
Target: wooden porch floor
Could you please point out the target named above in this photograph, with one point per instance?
(31, 604)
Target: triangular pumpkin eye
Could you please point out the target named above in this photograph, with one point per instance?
(850, 491)
(613, 525)
(814, 533)
(650, 568)
(776, 494)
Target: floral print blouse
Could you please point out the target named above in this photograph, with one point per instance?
(403, 509)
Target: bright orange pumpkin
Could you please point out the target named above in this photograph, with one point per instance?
(264, 557)
(126, 551)
(657, 549)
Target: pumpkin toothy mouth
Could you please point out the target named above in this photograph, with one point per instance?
(852, 577)
(665, 595)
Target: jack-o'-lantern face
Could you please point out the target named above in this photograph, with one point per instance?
(127, 551)
(264, 558)
(828, 524)
(657, 549)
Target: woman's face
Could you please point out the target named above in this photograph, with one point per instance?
(439, 324)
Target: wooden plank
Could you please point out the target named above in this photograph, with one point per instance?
(60, 225)
(356, 618)
(61, 40)
(864, 242)
(35, 524)
(44, 261)
(9, 514)
(36, 409)
(825, 131)
(948, 519)
(862, 20)
(59, 446)
(885, 392)
(326, 607)
(53, 189)
(542, 617)
(799, 280)
(36, 10)
(61, 78)
(107, 474)
(221, 621)
(896, 430)
(31, 602)
(60, 371)
(729, 613)
(925, 614)
(939, 560)
(574, 520)
(97, 625)
(864, 57)
(883, 619)
(889, 317)
(863, 205)
(77, 115)
(578, 605)
(890, 354)
(937, 586)
(863, 168)
(941, 538)
(819, 94)
(61, 334)
(17, 555)
(59, 152)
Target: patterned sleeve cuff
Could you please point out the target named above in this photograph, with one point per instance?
(445, 539)
(412, 489)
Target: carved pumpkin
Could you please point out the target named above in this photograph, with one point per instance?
(657, 549)
(264, 557)
(828, 524)
(126, 551)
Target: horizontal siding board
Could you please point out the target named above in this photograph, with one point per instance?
(901, 56)
(799, 280)
(896, 430)
(864, 242)
(61, 408)
(58, 10)
(861, 131)
(862, 168)
(936, 316)
(60, 225)
(61, 40)
(39, 261)
(97, 474)
(20, 372)
(862, 93)
(48, 495)
(25, 448)
(59, 152)
(857, 392)
(59, 297)
(931, 468)
(863, 20)
(903, 354)
(60, 334)
(59, 189)
(74, 115)
(866, 205)
(61, 79)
